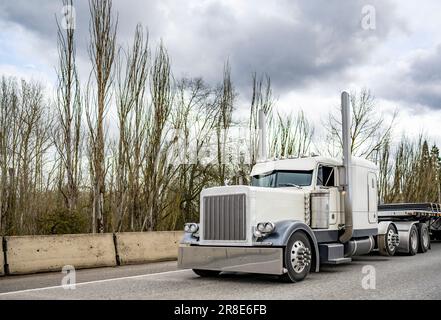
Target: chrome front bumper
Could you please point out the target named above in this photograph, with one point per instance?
(232, 259)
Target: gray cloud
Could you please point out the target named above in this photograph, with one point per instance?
(292, 41)
(419, 83)
(427, 68)
(425, 74)
(325, 39)
(310, 49)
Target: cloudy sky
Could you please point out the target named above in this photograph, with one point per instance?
(311, 49)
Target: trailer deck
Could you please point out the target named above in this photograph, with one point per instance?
(409, 210)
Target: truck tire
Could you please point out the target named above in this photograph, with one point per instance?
(297, 258)
(413, 240)
(206, 273)
(424, 238)
(385, 242)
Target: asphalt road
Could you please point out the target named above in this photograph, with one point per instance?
(400, 277)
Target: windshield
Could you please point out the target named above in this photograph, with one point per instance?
(280, 179)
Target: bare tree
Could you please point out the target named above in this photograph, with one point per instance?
(261, 99)
(102, 55)
(131, 85)
(24, 141)
(9, 141)
(155, 168)
(68, 135)
(369, 131)
(291, 136)
(194, 118)
(225, 105)
(385, 173)
(34, 140)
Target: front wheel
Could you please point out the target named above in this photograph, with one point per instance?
(387, 243)
(297, 258)
(206, 273)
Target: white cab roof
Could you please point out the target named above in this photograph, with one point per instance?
(307, 163)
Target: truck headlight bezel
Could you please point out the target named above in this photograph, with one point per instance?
(265, 228)
(191, 228)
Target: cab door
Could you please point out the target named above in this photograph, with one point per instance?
(326, 178)
(372, 197)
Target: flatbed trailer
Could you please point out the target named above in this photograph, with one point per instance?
(416, 224)
(409, 210)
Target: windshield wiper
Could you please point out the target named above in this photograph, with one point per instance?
(290, 185)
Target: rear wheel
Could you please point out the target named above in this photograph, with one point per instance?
(413, 240)
(424, 238)
(297, 258)
(206, 273)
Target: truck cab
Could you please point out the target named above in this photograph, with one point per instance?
(248, 228)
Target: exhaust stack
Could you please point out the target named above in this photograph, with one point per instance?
(262, 152)
(346, 135)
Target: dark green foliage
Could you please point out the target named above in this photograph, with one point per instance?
(63, 222)
(414, 175)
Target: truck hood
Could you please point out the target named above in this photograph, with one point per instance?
(266, 204)
(250, 189)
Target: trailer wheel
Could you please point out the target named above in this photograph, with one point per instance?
(297, 258)
(424, 238)
(386, 242)
(206, 273)
(413, 241)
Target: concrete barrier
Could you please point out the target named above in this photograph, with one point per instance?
(2, 258)
(139, 247)
(29, 254)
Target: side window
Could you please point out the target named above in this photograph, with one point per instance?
(326, 176)
(320, 176)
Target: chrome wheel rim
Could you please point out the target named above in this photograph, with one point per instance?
(390, 241)
(414, 240)
(425, 237)
(300, 256)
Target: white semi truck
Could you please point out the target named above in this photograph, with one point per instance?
(299, 213)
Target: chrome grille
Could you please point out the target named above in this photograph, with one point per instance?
(224, 217)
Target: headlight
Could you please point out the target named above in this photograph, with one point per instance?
(265, 227)
(260, 227)
(194, 228)
(191, 227)
(257, 233)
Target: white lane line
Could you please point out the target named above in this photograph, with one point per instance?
(93, 282)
